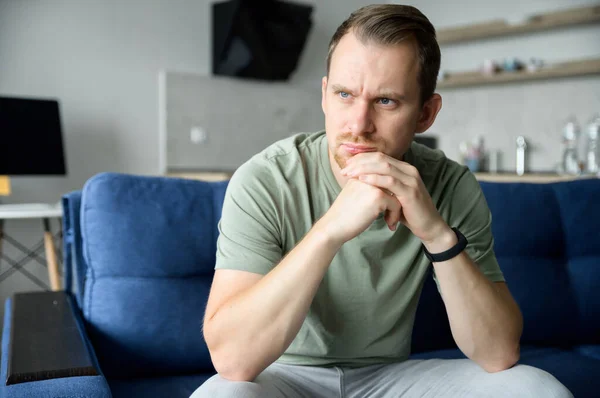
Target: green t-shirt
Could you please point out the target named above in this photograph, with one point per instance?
(363, 311)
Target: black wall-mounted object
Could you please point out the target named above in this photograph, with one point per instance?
(427, 140)
(259, 39)
(31, 141)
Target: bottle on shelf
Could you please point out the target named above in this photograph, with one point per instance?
(592, 165)
(570, 157)
(521, 155)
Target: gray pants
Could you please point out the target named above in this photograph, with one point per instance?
(413, 378)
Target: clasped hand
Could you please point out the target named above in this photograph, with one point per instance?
(379, 183)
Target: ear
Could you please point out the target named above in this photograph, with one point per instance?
(429, 113)
(323, 93)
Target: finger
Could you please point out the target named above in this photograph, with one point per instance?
(407, 168)
(393, 211)
(368, 157)
(402, 171)
(392, 216)
(402, 218)
(386, 182)
(380, 157)
(371, 167)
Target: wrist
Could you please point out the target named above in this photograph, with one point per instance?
(323, 234)
(441, 241)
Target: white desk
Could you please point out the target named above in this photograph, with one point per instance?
(41, 211)
(31, 210)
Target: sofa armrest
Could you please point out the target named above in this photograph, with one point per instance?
(45, 350)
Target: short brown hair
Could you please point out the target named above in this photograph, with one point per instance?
(389, 24)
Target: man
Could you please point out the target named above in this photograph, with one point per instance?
(326, 238)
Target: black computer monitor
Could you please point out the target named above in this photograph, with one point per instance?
(31, 141)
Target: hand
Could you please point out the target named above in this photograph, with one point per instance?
(417, 210)
(355, 208)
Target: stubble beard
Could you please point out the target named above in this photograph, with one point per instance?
(341, 158)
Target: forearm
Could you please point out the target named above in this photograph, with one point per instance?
(485, 323)
(252, 329)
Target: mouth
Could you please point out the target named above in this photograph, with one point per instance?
(356, 148)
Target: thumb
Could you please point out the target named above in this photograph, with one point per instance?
(393, 213)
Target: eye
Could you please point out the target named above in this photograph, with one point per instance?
(386, 101)
(343, 94)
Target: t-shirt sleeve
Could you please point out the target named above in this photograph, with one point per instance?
(249, 227)
(469, 212)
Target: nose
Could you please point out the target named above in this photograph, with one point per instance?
(360, 120)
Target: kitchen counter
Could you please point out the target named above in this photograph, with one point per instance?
(535, 177)
(509, 176)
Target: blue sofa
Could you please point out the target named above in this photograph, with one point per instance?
(139, 257)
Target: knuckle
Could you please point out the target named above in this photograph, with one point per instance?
(387, 180)
(413, 193)
(379, 194)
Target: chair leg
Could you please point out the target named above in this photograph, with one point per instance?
(53, 274)
(1, 237)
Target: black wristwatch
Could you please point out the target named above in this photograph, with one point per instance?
(450, 253)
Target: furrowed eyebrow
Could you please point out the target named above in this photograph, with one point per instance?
(384, 94)
(339, 87)
(392, 95)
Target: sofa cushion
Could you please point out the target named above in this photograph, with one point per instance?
(580, 214)
(149, 244)
(546, 242)
(579, 373)
(548, 246)
(171, 387)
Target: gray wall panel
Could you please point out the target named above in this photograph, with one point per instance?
(240, 118)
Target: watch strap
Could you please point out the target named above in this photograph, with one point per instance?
(450, 253)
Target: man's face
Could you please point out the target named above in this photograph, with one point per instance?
(371, 99)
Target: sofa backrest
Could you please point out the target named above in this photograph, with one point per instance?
(149, 248)
(547, 241)
(74, 266)
(147, 251)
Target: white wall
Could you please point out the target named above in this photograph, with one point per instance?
(537, 110)
(328, 15)
(101, 59)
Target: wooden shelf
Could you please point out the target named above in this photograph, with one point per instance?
(560, 70)
(536, 23)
